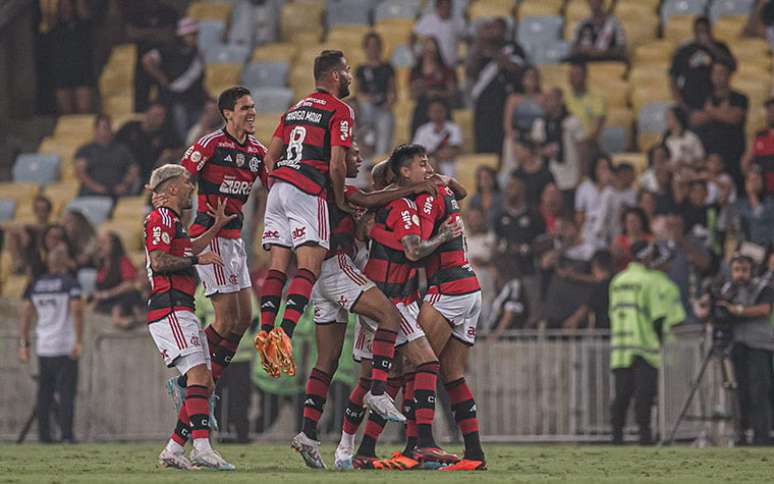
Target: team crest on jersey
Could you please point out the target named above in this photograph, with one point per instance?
(165, 237)
(196, 156)
(240, 160)
(255, 164)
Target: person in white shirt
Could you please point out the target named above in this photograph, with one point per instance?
(441, 138)
(589, 209)
(685, 147)
(445, 27)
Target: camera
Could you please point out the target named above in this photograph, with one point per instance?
(718, 294)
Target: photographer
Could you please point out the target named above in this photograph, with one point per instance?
(748, 304)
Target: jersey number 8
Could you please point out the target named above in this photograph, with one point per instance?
(296, 145)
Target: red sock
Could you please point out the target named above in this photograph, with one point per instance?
(223, 354)
(271, 297)
(298, 297)
(383, 349)
(464, 409)
(424, 398)
(408, 411)
(198, 409)
(183, 428)
(354, 413)
(314, 401)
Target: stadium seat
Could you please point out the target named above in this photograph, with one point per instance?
(539, 30)
(7, 209)
(646, 140)
(652, 117)
(656, 91)
(619, 116)
(210, 11)
(679, 28)
(301, 18)
(729, 28)
(272, 99)
(640, 31)
(275, 52)
(118, 104)
(348, 12)
(638, 160)
(265, 74)
(226, 54)
(670, 8)
(74, 124)
(722, 8)
(458, 7)
(351, 35)
(539, 8)
(131, 207)
(221, 76)
(750, 49)
(60, 194)
(21, 192)
(96, 209)
(550, 53)
(390, 9)
(491, 8)
(87, 278)
(36, 168)
(243, 25)
(464, 118)
(265, 123)
(657, 50)
(601, 71)
(210, 33)
(402, 56)
(13, 287)
(615, 139)
(130, 231)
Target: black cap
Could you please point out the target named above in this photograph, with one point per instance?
(642, 251)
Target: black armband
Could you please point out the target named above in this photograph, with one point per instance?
(194, 260)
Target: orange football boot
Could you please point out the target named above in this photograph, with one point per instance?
(280, 351)
(466, 465)
(261, 342)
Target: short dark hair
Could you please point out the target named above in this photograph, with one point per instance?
(637, 212)
(603, 259)
(326, 61)
(102, 117)
(623, 166)
(580, 63)
(372, 35)
(403, 155)
(702, 19)
(43, 199)
(229, 98)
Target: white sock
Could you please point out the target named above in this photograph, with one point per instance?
(174, 447)
(202, 445)
(347, 440)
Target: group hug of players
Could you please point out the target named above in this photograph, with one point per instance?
(355, 252)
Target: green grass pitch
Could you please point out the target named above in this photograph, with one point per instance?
(270, 463)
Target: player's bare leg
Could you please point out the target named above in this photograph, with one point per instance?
(330, 339)
(271, 299)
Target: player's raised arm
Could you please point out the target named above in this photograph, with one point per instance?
(415, 248)
(382, 197)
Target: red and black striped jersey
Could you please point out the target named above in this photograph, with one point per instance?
(342, 228)
(172, 291)
(763, 156)
(309, 130)
(388, 267)
(448, 269)
(224, 168)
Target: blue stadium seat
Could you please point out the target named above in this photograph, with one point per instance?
(540, 30)
(7, 209)
(96, 209)
(226, 54)
(348, 12)
(210, 33)
(458, 7)
(243, 25)
(549, 53)
(652, 117)
(721, 8)
(682, 7)
(402, 56)
(87, 278)
(272, 99)
(36, 168)
(265, 74)
(397, 9)
(615, 139)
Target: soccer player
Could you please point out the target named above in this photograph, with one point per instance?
(309, 148)
(340, 289)
(225, 164)
(171, 257)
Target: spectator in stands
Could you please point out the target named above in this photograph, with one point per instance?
(54, 300)
(533, 170)
(518, 227)
(589, 209)
(441, 138)
(430, 78)
(636, 228)
(209, 121)
(755, 212)
(149, 139)
(179, 70)
(24, 241)
(600, 36)
(116, 292)
(715, 175)
(587, 106)
(721, 122)
(598, 301)
(72, 57)
(487, 197)
(376, 94)
(564, 146)
(82, 238)
(760, 151)
(657, 179)
(105, 167)
(511, 308)
(700, 218)
(684, 146)
(481, 247)
(521, 111)
(692, 63)
(494, 69)
(150, 24)
(620, 196)
(646, 201)
(446, 28)
(551, 207)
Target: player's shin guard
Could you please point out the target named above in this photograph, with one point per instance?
(198, 409)
(314, 401)
(223, 354)
(409, 412)
(271, 298)
(375, 425)
(298, 297)
(354, 413)
(384, 351)
(464, 408)
(425, 383)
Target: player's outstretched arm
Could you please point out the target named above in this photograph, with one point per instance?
(221, 219)
(459, 191)
(415, 248)
(165, 263)
(381, 198)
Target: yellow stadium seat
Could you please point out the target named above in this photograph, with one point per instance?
(654, 91)
(394, 32)
(210, 11)
(638, 160)
(347, 34)
(275, 52)
(619, 117)
(750, 49)
(729, 28)
(464, 118)
(679, 28)
(491, 8)
(602, 71)
(118, 104)
(554, 75)
(301, 17)
(130, 230)
(539, 8)
(74, 124)
(265, 124)
(130, 207)
(61, 194)
(301, 79)
(642, 74)
(137, 257)
(221, 76)
(639, 31)
(402, 85)
(13, 287)
(646, 140)
(21, 192)
(658, 50)
(479, 159)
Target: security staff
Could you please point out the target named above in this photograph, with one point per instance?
(641, 302)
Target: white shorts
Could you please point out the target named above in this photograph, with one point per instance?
(337, 289)
(364, 331)
(294, 218)
(181, 341)
(233, 275)
(462, 312)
